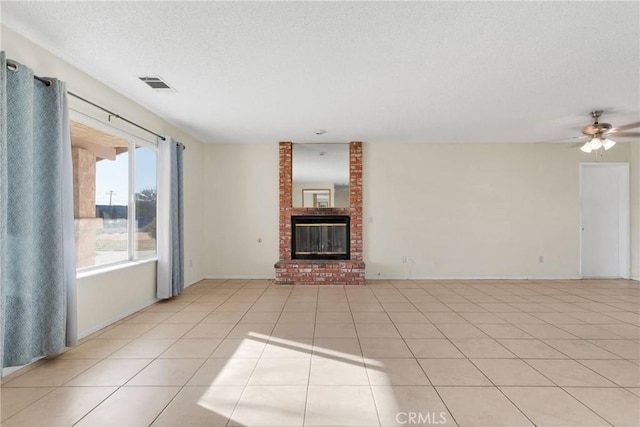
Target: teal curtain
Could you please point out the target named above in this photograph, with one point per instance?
(177, 224)
(37, 253)
(170, 230)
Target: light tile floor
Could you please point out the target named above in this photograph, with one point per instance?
(249, 353)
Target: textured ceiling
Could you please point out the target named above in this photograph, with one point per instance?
(372, 71)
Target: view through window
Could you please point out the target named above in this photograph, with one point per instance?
(145, 192)
(114, 196)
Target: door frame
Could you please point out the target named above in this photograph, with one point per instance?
(624, 215)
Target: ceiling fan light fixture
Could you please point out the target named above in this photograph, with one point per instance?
(586, 147)
(608, 143)
(595, 143)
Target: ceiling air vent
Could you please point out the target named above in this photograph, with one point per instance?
(157, 83)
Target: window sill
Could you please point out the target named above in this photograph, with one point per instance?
(94, 271)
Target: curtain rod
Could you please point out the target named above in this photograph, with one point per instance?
(11, 66)
(112, 114)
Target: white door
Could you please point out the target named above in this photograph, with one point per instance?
(604, 204)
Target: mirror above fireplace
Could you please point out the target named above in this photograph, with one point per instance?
(320, 175)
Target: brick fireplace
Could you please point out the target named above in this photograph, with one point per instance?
(321, 271)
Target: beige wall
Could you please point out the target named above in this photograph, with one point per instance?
(240, 206)
(134, 287)
(635, 210)
(136, 278)
(463, 210)
(459, 210)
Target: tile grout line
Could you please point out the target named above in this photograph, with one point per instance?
(313, 342)
(435, 389)
(158, 358)
(364, 363)
(534, 292)
(244, 387)
(482, 372)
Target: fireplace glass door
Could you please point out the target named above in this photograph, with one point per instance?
(320, 237)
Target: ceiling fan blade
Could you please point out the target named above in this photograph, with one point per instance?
(629, 126)
(626, 134)
(569, 139)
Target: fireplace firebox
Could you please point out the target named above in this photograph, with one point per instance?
(320, 237)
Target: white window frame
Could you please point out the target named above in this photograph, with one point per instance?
(133, 141)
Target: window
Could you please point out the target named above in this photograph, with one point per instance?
(114, 187)
(145, 196)
(111, 209)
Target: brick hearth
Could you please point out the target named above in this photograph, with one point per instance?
(330, 272)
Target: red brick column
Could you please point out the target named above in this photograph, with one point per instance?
(286, 199)
(355, 196)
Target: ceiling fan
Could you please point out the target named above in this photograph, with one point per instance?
(597, 134)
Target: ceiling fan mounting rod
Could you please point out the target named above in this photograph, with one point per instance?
(596, 115)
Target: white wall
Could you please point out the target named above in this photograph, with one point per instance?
(459, 210)
(240, 205)
(135, 279)
(635, 210)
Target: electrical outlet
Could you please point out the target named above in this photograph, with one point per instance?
(404, 259)
(410, 259)
(540, 259)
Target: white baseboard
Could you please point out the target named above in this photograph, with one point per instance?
(8, 371)
(249, 277)
(474, 278)
(242, 277)
(125, 314)
(114, 319)
(194, 282)
(636, 278)
(5, 372)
